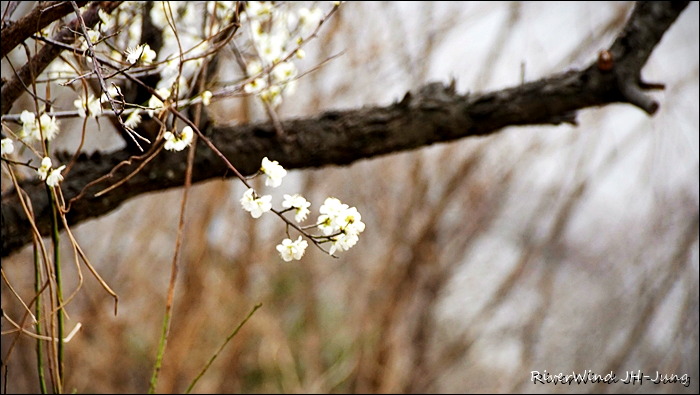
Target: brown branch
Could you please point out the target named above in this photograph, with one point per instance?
(431, 114)
(14, 88)
(40, 17)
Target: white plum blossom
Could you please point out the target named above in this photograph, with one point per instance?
(178, 143)
(93, 106)
(255, 86)
(309, 19)
(43, 170)
(114, 92)
(254, 68)
(292, 249)
(273, 171)
(284, 72)
(49, 126)
(350, 221)
(133, 120)
(343, 242)
(300, 204)
(272, 95)
(256, 206)
(142, 52)
(342, 223)
(7, 146)
(257, 9)
(155, 103)
(30, 126)
(55, 177)
(330, 211)
(206, 98)
(94, 37)
(271, 47)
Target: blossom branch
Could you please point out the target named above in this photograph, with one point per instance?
(431, 114)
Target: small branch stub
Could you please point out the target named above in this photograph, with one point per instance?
(605, 60)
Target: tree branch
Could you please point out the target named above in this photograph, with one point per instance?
(14, 88)
(40, 17)
(431, 114)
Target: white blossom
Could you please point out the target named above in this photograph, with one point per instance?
(350, 221)
(330, 211)
(300, 205)
(284, 72)
(178, 143)
(29, 125)
(133, 120)
(309, 19)
(292, 249)
(93, 106)
(257, 9)
(142, 52)
(43, 170)
(114, 93)
(343, 242)
(272, 95)
(7, 146)
(155, 103)
(254, 68)
(55, 177)
(93, 36)
(49, 126)
(256, 206)
(273, 171)
(206, 98)
(255, 86)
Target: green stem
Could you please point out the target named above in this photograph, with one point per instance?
(161, 351)
(57, 270)
(211, 360)
(37, 313)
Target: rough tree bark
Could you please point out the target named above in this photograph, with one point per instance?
(431, 114)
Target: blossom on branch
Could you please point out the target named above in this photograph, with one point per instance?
(178, 143)
(256, 205)
(292, 249)
(7, 146)
(55, 177)
(274, 172)
(300, 204)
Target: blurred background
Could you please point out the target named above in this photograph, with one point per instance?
(537, 248)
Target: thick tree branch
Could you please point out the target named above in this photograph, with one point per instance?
(14, 88)
(40, 17)
(431, 114)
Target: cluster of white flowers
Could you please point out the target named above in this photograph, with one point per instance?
(93, 106)
(292, 249)
(178, 143)
(340, 224)
(52, 176)
(275, 31)
(30, 126)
